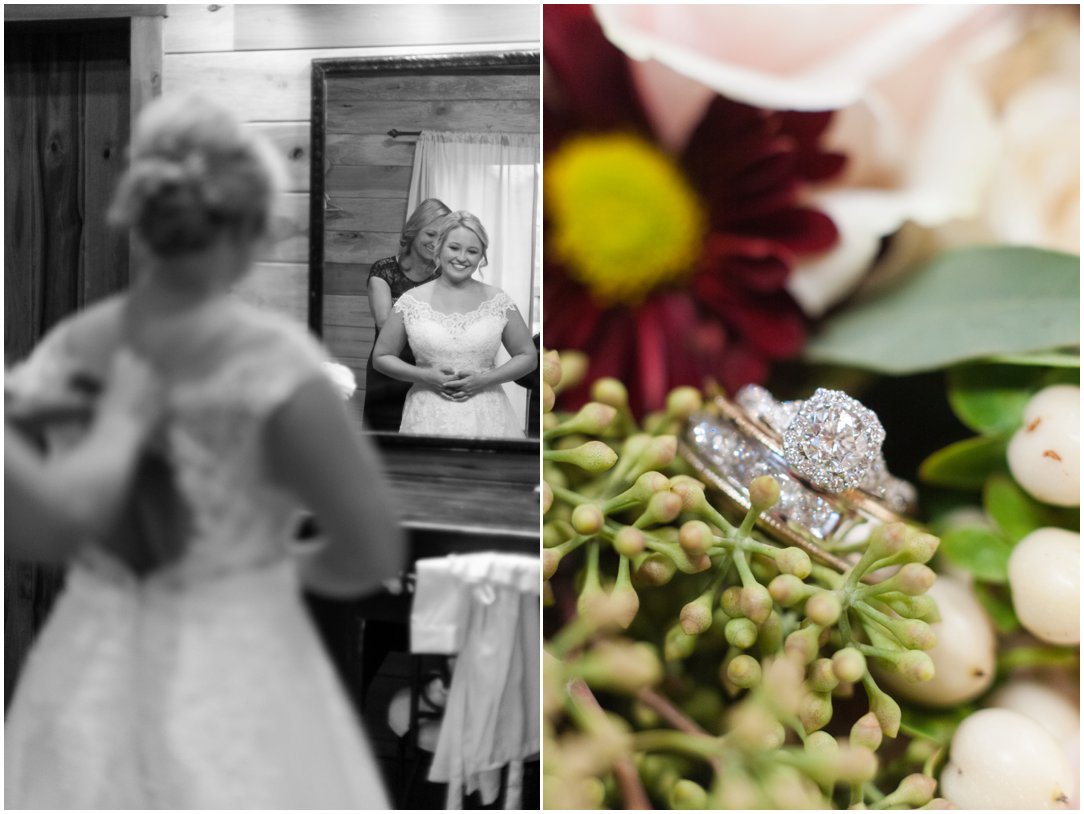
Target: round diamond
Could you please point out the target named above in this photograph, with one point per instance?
(833, 440)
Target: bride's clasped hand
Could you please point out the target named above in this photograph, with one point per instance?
(462, 385)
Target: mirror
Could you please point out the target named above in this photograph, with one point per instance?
(389, 133)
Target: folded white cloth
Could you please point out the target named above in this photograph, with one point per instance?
(485, 607)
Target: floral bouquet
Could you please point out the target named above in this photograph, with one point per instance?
(811, 432)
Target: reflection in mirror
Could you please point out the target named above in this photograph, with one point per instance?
(398, 144)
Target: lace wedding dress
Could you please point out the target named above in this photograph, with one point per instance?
(200, 683)
(464, 343)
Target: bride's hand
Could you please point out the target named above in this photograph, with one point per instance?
(438, 378)
(465, 385)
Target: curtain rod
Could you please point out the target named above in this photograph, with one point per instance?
(396, 133)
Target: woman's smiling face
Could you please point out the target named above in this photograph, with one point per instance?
(425, 242)
(460, 254)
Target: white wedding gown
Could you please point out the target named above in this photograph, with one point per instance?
(201, 684)
(464, 343)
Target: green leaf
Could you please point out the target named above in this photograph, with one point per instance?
(966, 464)
(998, 604)
(1039, 656)
(991, 398)
(943, 508)
(1061, 375)
(1016, 512)
(1063, 359)
(938, 726)
(967, 304)
(981, 552)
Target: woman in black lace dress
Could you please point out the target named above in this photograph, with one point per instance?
(388, 280)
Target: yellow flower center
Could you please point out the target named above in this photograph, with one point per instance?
(625, 221)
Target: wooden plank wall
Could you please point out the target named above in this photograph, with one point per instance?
(368, 177)
(67, 98)
(66, 123)
(256, 59)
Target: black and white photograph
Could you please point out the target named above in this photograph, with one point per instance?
(272, 334)
(470, 168)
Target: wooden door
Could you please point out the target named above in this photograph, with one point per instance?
(66, 124)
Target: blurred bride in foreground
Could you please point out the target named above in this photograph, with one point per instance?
(181, 671)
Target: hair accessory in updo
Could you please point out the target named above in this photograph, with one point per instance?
(194, 174)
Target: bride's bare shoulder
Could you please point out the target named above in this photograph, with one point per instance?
(493, 292)
(96, 322)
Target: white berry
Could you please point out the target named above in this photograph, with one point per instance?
(1000, 759)
(1044, 454)
(1044, 705)
(1053, 711)
(964, 656)
(1044, 574)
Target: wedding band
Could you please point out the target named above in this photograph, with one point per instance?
(833, 439)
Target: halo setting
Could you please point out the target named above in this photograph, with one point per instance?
(833, 440)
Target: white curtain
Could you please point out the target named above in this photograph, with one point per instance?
(495, 176)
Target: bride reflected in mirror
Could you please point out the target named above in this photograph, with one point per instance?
(389, 279)
(456, 324)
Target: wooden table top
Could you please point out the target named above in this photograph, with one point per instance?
(465, 495)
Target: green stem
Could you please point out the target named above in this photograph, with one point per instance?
(744, 571)
(879, 652)
(711, 514)
(567, 428)
(569, 496)
(869, 616)
(667, 740)
(895, 559)
(621, 502)
(873, 792)
(826, 575)
(715, 584)
(591, 580)
(865, 590)
(747, 522)
(748, 544)
(571, 544)
(930, 767)
(875, 615)
(848, 548)
(856, 794)
(624, 578)
(571, 637)
(845, 627)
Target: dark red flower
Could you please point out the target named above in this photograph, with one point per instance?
(729, 315)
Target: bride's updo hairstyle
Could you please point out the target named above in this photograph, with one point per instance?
(194, 174)
(463, 220)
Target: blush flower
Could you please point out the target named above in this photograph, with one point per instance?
(670, 264)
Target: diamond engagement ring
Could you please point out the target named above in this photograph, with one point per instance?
(831, 440)
(825, 452)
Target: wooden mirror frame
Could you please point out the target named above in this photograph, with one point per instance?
(323, 70)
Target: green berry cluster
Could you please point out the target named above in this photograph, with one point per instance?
(692, 662)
